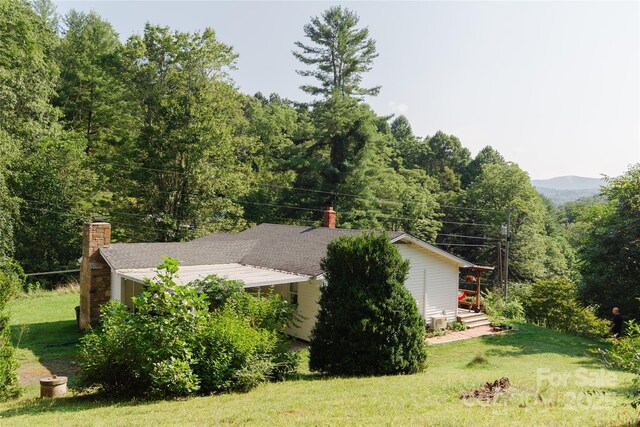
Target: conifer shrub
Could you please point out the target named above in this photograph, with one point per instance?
(368, 323)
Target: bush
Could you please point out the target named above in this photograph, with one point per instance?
(173, 345)
(229, 346)
(625, 354)
(553, 303)
(458, 326)
(269, 311)
(10, 282)
(497, 307)
(368, 323)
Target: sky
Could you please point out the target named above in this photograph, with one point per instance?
(553, 86)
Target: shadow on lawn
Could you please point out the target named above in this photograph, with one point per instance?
(68, 404)
(528, 340)
(54, 344)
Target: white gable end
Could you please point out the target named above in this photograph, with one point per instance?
(432, 281)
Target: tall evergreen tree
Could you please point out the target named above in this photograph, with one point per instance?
(47, 10)
(340, 54)
(90, 92)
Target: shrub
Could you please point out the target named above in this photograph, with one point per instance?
(497, 308)
(513, 310)
(458, 326)
(553, 303)
(269, 311)
(233, 354)
(10, 282)
(218, 290)
(173, 345)
(625, 354)
(368, 323)
(519, 292)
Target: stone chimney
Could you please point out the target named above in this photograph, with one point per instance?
(329, 218)
(95, 273)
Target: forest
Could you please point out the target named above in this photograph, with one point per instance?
(152, 135)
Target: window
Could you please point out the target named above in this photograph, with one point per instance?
(130, 289)
(293, 293)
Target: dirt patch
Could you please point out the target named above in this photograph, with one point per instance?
(489, 391)
(30, 373)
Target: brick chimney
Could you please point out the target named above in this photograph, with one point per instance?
(329, 218)
(95, 273)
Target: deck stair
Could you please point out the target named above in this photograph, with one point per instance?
(472, 319)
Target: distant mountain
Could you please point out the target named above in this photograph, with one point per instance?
(565, 189)
(569, 183)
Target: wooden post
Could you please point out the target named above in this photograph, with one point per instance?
(478, 289)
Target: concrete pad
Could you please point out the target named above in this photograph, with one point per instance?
(480, 331)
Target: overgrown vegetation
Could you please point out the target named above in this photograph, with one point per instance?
(624, 353)
(10, 282)
(368, 322)
(178, 343)
(552, 303)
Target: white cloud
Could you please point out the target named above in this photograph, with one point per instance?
(398, 107)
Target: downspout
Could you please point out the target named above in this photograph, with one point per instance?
(424, 293)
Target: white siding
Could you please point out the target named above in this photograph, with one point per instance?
(434, 274)
(308, 307)
(115, 286)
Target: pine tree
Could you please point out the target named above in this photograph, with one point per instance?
(341, 53)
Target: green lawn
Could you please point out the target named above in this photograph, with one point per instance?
(583, 393)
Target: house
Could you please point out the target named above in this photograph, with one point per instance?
(285, 258)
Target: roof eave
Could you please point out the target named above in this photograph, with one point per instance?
(459, 261)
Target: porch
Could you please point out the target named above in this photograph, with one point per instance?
(470, 304)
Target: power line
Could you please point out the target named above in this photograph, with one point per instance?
(128, 226)
(335, 193)
(463, 244)
(88, 218)
(46, 273)
(135, 227)
(468, 237)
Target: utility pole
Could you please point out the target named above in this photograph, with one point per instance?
(506, 256)
(500, 270)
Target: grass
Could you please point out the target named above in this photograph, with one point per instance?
(43, 326)
(429, 398)
(479, 360)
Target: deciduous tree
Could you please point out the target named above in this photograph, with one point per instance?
(610, 255)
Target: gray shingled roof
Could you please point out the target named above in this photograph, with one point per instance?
(291, 248)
